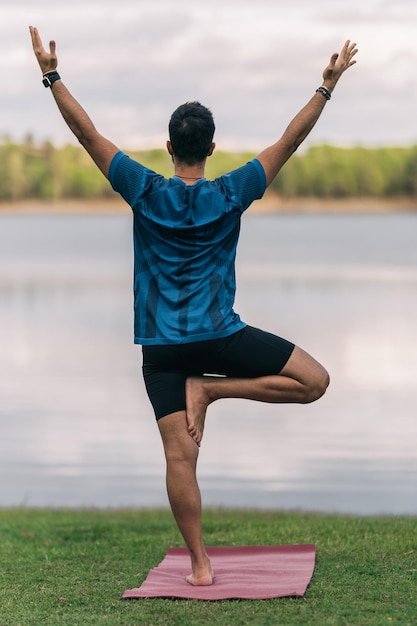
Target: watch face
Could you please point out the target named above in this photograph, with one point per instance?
(46, 81)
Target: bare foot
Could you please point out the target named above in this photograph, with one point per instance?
(197, 401)
(203, 577)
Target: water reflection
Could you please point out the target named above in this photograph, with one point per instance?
(76, 425)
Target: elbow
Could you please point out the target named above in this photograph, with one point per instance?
(295, 144)
(83, 143)
(292, 146)
(84, 139)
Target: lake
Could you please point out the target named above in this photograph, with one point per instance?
(77, 428)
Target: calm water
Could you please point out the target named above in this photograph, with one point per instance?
(76, 426)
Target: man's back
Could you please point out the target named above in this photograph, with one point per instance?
(185, 239)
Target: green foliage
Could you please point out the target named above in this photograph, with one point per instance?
(332, 172)
(45, 172)
(70, 567)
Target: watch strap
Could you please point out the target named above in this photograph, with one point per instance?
(50, 77)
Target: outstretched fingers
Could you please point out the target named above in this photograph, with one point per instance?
(348, 52)
(36, 40)
(47, 60)
(340, 62)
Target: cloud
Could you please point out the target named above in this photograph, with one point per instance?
(254, 64)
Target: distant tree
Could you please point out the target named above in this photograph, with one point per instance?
(28, 170)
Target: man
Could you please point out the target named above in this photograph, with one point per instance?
(196, 349)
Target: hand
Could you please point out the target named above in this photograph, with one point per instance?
(47, 60)
(339, 63)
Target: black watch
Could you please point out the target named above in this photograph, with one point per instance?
(50, 77)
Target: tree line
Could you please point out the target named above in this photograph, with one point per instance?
(45, 172)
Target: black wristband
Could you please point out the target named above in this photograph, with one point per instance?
(50, 77)
(326, 93)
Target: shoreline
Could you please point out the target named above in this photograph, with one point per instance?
(271, 203)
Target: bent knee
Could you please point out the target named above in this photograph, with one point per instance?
(317, 387)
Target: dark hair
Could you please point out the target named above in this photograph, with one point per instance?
(191, 131)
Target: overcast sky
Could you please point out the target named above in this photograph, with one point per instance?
(254, 63)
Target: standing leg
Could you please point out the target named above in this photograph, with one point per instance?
(181, 454)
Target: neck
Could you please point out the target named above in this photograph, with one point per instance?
(189, 177)
(189, 172)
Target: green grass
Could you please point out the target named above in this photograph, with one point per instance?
(70, 567)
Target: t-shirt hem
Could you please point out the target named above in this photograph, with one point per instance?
(164, 341)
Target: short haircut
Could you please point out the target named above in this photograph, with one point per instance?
(191, 131)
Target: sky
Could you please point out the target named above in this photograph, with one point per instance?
(130, 63)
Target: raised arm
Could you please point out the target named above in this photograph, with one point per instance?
(99, 148)
(274, 157)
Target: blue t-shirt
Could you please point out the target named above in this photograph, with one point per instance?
(185, 240)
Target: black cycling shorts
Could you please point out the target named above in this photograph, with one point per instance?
(249, 353)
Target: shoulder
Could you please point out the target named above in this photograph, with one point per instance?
(122, 162)
(123, 167)
(244, 184)
(129, 177)
(252, 169)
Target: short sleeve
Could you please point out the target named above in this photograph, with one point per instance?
(247, 183)
(128, 177)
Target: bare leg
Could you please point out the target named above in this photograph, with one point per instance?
(181, 455)
(302, 380)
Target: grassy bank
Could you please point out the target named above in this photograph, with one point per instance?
(69, 567)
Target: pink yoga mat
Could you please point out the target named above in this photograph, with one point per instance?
(248, 572)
